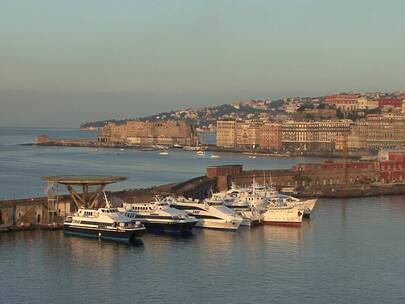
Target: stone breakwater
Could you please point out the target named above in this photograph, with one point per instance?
(32, 213)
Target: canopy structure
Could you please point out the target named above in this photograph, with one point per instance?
(84, 189)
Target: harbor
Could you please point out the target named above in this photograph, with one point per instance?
(274, 256)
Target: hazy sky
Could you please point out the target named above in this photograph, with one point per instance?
(65, 62)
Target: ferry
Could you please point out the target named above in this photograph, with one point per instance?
(103, 223)
(209, 216)
(250, 216)
(283, 215)
(159, 217)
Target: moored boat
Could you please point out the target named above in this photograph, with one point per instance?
(160, 217)
(103, 223)
(209, 216)
(283, 215)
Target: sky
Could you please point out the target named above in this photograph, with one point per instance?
(66, 62)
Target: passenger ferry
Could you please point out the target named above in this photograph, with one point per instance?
(283, 215)
(250, 216)
(160, 217)
(103, 223)
(209, 216)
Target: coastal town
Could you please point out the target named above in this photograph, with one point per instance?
(350, 124)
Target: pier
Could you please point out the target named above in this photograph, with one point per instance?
(358, 180)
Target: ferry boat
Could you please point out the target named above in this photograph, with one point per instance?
(209, 216)
(160, 217)
(103, 223)
(283, 215)
(250, 216)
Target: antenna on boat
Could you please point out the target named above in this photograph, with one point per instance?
(107, 202)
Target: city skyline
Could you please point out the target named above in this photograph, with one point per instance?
(69, 62)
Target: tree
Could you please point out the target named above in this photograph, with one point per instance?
(339, 113)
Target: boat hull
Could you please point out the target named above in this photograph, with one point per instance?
(176, 228)
(283, 216)
(283, 223)
(126, 236)
(218, 224)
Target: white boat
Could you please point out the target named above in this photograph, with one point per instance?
(306, 206)
(163, 153)
(200, 153)
(104, 224)
(160, 217)
(190, 148)
(283, 215)
(209, 216)
(249, 214)
(214, 156)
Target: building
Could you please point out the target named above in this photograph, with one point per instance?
(314, 135)
(385, 131)
(271, 136)
(248, 134)
(346, 102)
(364, 103)
(389, 103)
(138, 132)
(226, 133)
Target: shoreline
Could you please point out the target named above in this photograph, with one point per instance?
(86, 143)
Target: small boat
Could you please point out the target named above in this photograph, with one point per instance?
(200, 153)
(163, 153)
(252, 156)
(214, 156)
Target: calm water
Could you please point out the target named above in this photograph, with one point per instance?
(21, 167)
(352, 251)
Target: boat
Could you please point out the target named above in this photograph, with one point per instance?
(190, 148)
(177, 146)
(214, 156)
(104, 224)
(209, 216)
(148, 149)
(249, 214)
(200, 153)
(163, 152)
(158, 216)
(305, 206)
(283, 215)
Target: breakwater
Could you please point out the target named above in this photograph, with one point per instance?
(34, 212)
